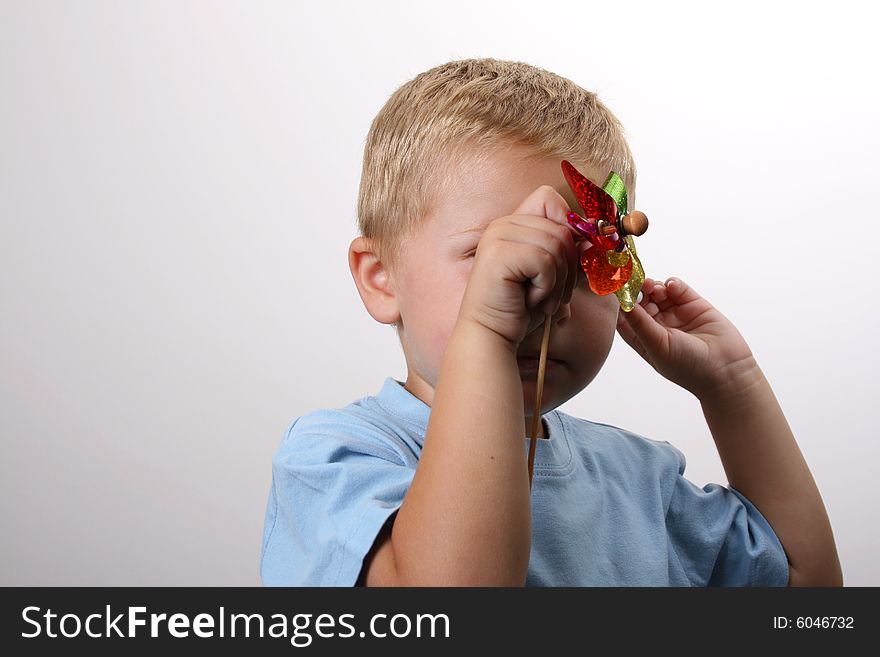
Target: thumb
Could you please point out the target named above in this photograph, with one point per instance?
(650, 334)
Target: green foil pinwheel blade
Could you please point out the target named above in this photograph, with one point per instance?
(627, 294)
(615, 188)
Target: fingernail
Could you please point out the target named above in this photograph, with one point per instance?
(639, 298)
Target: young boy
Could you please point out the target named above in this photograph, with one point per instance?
(464, 248)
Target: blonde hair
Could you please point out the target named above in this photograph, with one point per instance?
(465, 108)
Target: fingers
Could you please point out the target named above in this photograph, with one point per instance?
(554, 242)
(629, 335)
(646, 297)
(658, 293)
(545, 202)
(657, 297)
(651, 334)
(662, 296)
(679, 291)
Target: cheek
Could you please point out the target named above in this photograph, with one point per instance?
(594, 325)
(595, 314)
(443, 301)
(437, 321)
(439, 300)
(452, 292)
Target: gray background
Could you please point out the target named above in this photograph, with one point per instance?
(177, 195)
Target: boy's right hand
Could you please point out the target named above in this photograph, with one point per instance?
(526, 265)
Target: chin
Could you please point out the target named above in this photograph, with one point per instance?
(557, 390)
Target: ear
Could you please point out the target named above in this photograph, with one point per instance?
(373, 282)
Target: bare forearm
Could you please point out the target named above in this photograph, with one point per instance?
(763, 461)
(466, 519)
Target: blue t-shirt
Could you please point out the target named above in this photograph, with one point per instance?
(609, 507)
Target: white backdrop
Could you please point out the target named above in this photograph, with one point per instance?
(177, 193)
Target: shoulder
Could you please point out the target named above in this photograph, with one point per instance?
(362, 428)
(337, 476)
(619, 444)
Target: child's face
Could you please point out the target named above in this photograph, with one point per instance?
(436, 263)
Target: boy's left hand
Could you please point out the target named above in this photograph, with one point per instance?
(686, 339)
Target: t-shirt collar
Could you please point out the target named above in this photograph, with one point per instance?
(553, 457)
(396, 399)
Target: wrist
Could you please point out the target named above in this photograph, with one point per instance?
(733, 384)
(473, 330)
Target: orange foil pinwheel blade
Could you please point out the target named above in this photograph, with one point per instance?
(607, 271)
(595, 201)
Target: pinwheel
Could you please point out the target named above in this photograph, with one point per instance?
(610, 262)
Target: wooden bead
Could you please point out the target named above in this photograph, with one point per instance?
(635, 223)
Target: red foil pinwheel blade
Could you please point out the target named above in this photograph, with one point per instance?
(603, 275)
(595, 201)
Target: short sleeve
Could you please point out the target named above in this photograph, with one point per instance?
(721, 539)
(333, 488)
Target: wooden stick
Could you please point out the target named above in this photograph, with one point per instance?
(536, 416)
